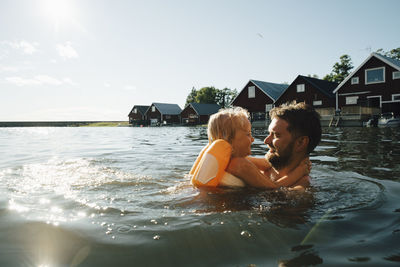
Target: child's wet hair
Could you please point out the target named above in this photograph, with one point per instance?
(224, 123)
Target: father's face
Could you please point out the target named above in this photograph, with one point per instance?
(280, 143)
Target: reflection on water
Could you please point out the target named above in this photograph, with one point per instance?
(113, 196)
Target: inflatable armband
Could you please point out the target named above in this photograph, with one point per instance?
(209, 167)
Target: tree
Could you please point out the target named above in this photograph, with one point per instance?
(394, 53)
(206, 95)
(225, 97)
(222, 97)
(191, 98)
(340, 70)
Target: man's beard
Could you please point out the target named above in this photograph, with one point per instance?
(282, 160)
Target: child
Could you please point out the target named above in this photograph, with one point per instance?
(229, 136)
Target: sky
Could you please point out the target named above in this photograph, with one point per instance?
(93, 60)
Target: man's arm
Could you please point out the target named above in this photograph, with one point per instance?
(246, 170)
(295, 176)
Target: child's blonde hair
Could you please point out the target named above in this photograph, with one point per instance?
(224, 123)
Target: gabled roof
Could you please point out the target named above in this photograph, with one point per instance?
(168, 109)
(390, 61)
(323, 86)
(205, 109)
(272, 90)
(141, 109)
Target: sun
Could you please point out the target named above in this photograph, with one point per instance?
(58, 11)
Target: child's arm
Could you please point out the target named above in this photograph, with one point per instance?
(261, 163)
(246, 170)
(303, 169)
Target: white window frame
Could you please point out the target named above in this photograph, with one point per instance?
(153, 109)
(396, 75)
(394, 97)
(377, 96)
(351, 100)
(317, 103)
(268, 107)
(300, 88)
(251, 92)
(355, 80)
(366, 76)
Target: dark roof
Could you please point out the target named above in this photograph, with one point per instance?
(168, 109)
(394, 61)
(273, 90)
(205, 109)
(323, 86)
(141, 109)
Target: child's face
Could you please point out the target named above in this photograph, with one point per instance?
(241, 142)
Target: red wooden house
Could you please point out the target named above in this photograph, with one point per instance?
(198, 113)
(315, 92)
(163, 114)
(137, 115)
(259, 97)
(374, 85)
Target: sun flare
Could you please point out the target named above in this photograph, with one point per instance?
(58, 11)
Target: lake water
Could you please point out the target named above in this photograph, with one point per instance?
(120, 197)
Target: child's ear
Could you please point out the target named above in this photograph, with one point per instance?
(302, 143)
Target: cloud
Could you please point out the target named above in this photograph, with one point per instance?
(66, 51)
(8, 69)
(39, 80)
(24, 46)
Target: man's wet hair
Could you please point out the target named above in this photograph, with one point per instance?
(303, 120)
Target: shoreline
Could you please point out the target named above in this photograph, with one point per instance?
(64, 124)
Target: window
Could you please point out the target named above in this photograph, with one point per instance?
(153, 109)
(252, 91)
(300, 88)
(396, 75)
(135, 111)
(317, 102)
(355, 80)
(396, 97)
(268, 107)
(351, 100)
(376, 75)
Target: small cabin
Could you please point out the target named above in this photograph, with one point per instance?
(163, 114)
(259, 97)
(198, 113)
(373, 87)
(137, 116)
(315, 92)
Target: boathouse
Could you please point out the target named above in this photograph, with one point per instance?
(137, 116)
(259, 97)
(163, 114)
(315, 92)
(372, 88)
(198, 113)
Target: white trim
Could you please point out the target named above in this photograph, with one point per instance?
(259, 89)
(351, 97)
(355, 93)
(378, 68)
(362, 64)
(300, 88)
(377, 96)
(317, 103)
(393, 95)
(355, 80)
(395, 73)
(391, 101)
(251, 92)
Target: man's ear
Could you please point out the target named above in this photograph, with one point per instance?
(302, 143)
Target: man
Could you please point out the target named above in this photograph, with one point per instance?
(294, 132)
